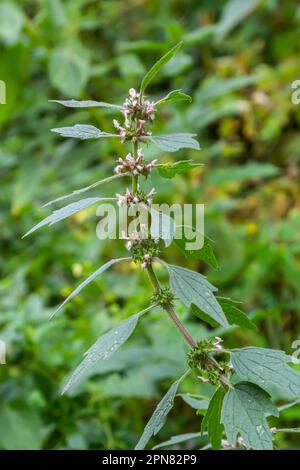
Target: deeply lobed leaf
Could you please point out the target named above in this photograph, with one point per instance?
(267, 368)
(193, 288)
(244, 412)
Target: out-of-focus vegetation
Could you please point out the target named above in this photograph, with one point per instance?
(238, 62)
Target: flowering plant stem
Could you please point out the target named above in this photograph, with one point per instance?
(153, 278)
(240, 408)
(169, 308)
(135, 178)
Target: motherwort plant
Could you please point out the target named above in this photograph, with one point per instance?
(244, 379)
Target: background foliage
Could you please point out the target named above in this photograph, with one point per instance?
(238, 62)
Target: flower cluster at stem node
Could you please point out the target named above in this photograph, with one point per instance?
(143, 250)
(140, 197)
(134, 166)
(200, 362)
(163, 298)
(137, 113)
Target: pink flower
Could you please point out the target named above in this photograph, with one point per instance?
(121, 200)
(146, 261)
(132, 93)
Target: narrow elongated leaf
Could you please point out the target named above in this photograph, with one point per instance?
(206, 253)
(158, 65)
(87, 188)
(90, 279)
(193, 288)
(162, 226)
(212, 419)
(170, 170)
(267, 368)
(178, 439)
(244, 412)
(174, 142)
(200, 34)
(82, 131)
(102, 350)
(158, 418)
(175, 95)
(86, 104)
(234, 12)
(252, 171)
(65, 212)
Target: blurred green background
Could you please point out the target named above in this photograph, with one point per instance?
(238, 62)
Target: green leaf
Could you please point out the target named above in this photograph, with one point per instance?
(157, 66)
(175, 95)
(102, 350)
(211, 420)
(140, 45)
(90, 279)
(170, 170)
(174, 142)
(86, 104)
(267, 368)
(83, 190)
(130, 66)
(22, 429)
(178, 65)
(234, 315)
(240, 174)
(200, 34)
(158, 418)
(234, 12)
(57, 13)
(69, 69)
(82, 131)
(219, 87)
(11, 22)
(178, 439)
(65, 212)
(203, 316)
(162, 226)
(205, 253)
(244, 412)
(193, 288)
(195, 403)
